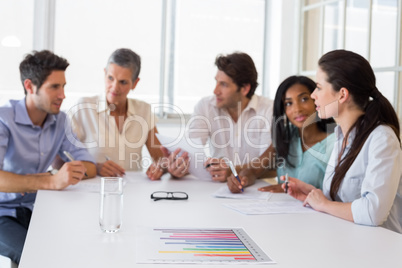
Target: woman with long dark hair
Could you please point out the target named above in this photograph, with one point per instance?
(301, 141)
(362, 182)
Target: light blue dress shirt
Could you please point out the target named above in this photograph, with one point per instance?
(309, 166)
(29, 149)
(373, 182)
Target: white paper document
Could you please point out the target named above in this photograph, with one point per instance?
(250, 192)
(88, 185)
(195, 152)
(268, 207)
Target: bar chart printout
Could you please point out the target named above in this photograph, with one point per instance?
(198, 246)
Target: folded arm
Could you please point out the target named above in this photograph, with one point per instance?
(70, 173)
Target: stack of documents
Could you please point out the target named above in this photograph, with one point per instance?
(261, 203)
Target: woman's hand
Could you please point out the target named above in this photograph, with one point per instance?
(246, 177)
(297, 188)
(176, 163)
(234, 185)
(155, 171)
(277, 188)
(317, 200)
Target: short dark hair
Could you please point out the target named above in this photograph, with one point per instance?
(38, 65)
(240, 67)
(126, 58)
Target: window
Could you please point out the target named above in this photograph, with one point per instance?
(204, 29)
(370, 28)
(357, 20)
(15, 42)
(311, 41)
(177, 40)
(87, 32)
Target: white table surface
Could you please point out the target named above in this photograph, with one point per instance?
(64, 230)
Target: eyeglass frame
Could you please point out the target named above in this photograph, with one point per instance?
(169, 196)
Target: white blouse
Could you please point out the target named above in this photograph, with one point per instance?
(97, 129)
(373, 182)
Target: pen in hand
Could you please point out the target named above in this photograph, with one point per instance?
(108, 158)
(71, 158)
(235, 173)
(286, 183)
(210, 164)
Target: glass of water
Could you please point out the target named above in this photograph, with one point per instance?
(111, 204)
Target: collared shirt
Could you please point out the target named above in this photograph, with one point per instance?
(373, 182)
(29, 149)
(240, 141)
(309, 166)
(97, 129)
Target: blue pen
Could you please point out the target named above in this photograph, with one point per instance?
(71, 158)
(235, 173)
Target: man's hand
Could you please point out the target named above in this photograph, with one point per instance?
(218, 169)
(70, 173)
(109, 169)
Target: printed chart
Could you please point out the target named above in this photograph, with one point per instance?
(188, 245)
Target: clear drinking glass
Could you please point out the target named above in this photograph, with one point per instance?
(111, 204)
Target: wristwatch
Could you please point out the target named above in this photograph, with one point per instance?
(53, 171)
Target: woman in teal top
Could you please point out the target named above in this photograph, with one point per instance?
(309, 166)
(302, 143)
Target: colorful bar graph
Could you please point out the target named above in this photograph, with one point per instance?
(181, 245)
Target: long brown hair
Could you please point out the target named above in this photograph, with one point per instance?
(351, 71)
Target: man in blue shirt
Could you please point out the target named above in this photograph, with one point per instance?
(32, 132)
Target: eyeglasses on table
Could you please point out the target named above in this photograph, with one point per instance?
(160, 195)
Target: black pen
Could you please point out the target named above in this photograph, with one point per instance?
(286, 183)
(210, 164)
(71, 158)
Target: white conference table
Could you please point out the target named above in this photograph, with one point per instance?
(64, 230)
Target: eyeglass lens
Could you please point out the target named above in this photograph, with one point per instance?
(169, 195)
